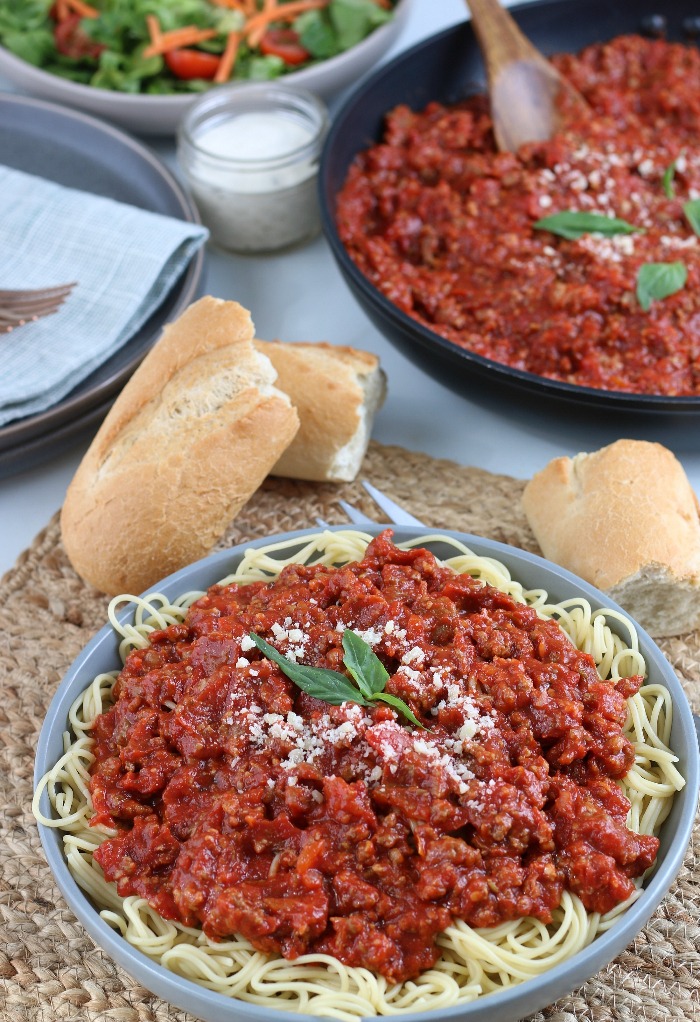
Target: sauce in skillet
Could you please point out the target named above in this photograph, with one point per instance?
(442, 224)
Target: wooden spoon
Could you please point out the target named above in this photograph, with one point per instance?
(527, 94)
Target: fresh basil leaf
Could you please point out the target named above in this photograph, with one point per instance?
(330, 686)
(691, 210)
(659, 280)
(667, 180)
(364, 664)
(572, 224)
(400, 705)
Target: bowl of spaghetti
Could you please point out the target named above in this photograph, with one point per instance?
(348, 774)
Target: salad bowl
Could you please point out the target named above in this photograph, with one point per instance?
(159, 113)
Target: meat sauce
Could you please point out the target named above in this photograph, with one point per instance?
(442, 224)
(246, 806)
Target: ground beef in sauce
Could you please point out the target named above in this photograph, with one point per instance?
(246, 806)
(442, 224)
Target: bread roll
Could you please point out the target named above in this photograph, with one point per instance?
(191, 436)
(625, 519)
(336, 391)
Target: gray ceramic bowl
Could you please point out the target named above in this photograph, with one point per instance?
(160, 115)
(101, 655)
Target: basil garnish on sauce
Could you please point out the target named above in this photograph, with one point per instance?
(667, 180)
(368, 673)
(659, 280)
(691, 210)
(573, 224)
(364, 665)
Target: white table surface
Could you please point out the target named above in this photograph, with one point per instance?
(301, 296)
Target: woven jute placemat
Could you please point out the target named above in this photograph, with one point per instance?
(49, 967)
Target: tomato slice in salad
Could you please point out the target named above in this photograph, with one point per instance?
(284, 43)
(187, 64)
(71, 41)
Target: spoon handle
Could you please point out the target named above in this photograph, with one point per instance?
(527, 93)
(501, 41)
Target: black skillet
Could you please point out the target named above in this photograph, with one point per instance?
(447, 67)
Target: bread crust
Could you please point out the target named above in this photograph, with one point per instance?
(624, 518)
(189, 439)
(336, 391)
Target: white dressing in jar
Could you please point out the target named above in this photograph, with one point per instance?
(250, 155)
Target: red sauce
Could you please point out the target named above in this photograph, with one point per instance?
(247, 806)
(442, 224)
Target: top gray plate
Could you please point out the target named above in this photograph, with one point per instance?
(81, 152)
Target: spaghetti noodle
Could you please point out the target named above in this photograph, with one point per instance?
(473, 960)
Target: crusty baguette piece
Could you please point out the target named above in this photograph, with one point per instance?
(189, 439)
(336, 390)
(624, 518)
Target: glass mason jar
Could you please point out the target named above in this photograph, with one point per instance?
(250, 155)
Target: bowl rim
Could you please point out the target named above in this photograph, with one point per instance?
(612, 400)
(178, 101)
(173, 987)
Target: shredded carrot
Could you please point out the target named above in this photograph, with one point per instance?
(83, 9)
(228, 58)
(179, 37)
(232, 5)
(268, 5)
(62, 10)
(246, 7)
(154, 30)
(257, 25)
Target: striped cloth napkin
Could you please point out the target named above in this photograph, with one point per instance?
(124, 259)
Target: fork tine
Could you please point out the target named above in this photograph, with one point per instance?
(8, 324)
(395, 512)
(15, 295)
(40, 294)
(356, 516)
(19, 317)
(20, 307)
(31, 308)
(34, 301)
(27, 314)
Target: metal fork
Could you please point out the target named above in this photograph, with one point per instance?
(394, 512)
(18, 307)
(399, 516)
